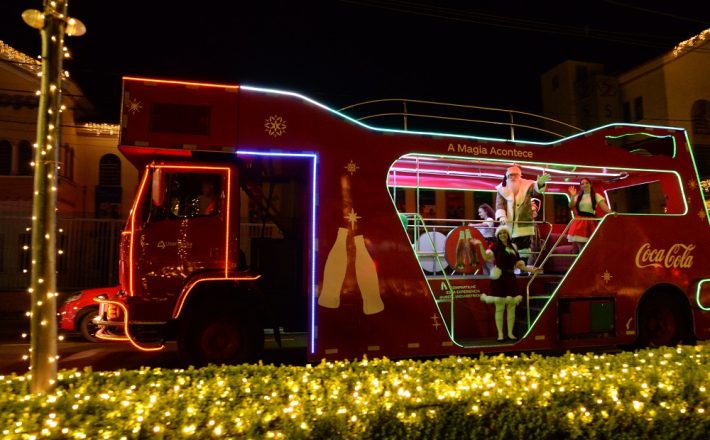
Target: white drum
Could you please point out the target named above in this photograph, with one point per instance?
(428, 244)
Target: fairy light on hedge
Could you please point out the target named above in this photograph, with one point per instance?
(423, 399)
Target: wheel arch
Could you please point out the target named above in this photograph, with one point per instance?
(235, 308)
(668, 293)
(216, 290)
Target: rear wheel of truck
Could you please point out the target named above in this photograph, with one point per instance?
(220, 336)
(663, 321)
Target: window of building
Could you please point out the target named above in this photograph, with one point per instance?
(24, 165)
(398, 197)
(5, 157)
(455, 204)
(110, 170)
(627, 111)
(427, 203)
(700, 115)
(555, 82)
(638, 108)
(66, 159)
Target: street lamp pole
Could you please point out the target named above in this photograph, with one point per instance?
(53, 24)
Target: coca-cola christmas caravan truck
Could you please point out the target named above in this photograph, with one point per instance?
(264, 209)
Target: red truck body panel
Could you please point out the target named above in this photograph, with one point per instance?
(386, 303)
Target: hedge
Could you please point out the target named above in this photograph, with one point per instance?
(659, 393)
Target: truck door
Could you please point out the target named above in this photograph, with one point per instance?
(185, 229)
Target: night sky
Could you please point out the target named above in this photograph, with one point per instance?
(339, 52)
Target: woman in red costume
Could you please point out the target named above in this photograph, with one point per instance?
(584, 203)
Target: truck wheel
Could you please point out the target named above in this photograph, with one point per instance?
(220, 337)
(87, 327)
(662, 322)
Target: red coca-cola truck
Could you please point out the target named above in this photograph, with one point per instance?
(263, 209)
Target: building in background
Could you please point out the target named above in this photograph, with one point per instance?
(94, 192)
(95, 181)
(672, 89)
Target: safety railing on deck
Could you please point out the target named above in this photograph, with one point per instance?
(420, 115)
(418, 227)
(551, 254)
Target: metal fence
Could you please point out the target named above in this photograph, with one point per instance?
(89, 251)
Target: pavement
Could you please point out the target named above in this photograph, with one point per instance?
(106, 356)
(111, 356)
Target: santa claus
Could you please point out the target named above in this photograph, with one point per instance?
(514, 206)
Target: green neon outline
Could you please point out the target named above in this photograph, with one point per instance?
(531, 325)
(547, 165)
(418, 219)
(697, 294)
(697, 178)
(675, 144)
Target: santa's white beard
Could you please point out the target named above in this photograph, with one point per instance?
(514, 186)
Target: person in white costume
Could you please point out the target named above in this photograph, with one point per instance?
(514, 206)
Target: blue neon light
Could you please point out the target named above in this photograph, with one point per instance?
(314, 191)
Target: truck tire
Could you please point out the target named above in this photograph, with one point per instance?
(86, 325)
(662, 321)
(227, 336)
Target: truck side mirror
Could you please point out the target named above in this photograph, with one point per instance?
(158, 187)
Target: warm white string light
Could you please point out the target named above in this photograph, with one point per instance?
(690, 43)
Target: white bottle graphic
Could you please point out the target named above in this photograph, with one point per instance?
(367, 280)
(334, 272)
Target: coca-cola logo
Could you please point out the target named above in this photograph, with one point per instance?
(677, 256)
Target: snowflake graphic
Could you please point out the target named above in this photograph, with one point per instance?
(275, 126)
(692, 184)
(351, 167)
(134, 106)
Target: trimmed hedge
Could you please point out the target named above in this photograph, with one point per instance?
(646, 394)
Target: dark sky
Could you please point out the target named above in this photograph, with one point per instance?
(340, 52)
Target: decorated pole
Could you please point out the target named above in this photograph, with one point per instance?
(53, 23)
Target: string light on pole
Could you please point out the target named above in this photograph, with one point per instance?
(53, 24)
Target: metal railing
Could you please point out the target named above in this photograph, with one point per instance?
(88, 251)
(549, 255)
(421, 115)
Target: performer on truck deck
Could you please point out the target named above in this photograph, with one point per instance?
(488, 225)
(504, 287)
(584, 203)
(514, 206)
